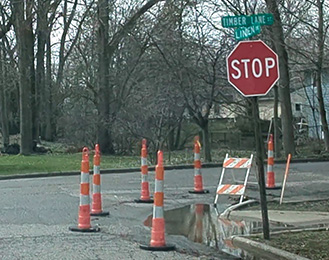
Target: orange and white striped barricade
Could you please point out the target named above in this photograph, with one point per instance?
(96, 209)
(198, 182)
(270, 183)
(234, 189)
(158, 242)
(145, 193)
(84, 208)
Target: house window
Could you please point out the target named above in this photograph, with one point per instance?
(298, 107)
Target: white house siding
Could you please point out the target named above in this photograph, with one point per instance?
(313, 117)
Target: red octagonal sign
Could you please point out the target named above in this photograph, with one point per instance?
(252, 68)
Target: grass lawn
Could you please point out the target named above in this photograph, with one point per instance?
(63, 162)
(309, 244)
(47, 163)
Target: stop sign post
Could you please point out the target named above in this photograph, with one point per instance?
(252, 68)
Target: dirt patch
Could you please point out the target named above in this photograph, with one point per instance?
(309, 244)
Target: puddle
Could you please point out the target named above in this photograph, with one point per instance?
(200, 224)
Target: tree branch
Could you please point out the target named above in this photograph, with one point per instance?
(112, 45)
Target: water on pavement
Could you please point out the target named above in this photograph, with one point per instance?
(201, 223)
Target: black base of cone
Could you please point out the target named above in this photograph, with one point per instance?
(198, 192)
(144, 201)
(100, 214)
(91, 229)
(158, 248)
(274, 188)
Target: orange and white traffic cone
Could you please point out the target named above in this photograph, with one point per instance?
(96, 209)
(145, 193)
(270, 183)
(158, 242)
(84, 208)
(198, 183)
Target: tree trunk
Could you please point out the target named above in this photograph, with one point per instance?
(24, 35)
(206, 141)
(106, 51)
(3, 105)
(284, 86)
(322, 111)
(277, 144)
(320, 47)
(49, 131)
(40, 67)
(171, 139)
(103, 104)
(178, 136)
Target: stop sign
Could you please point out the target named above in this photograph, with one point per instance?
(252, 68)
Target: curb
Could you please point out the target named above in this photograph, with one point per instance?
(103, 171)
(262, 250)
(137, 169)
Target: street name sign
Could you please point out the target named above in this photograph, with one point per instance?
(262, 19)
(246, 32)
(235, 21)
(252, 68)
(247, 20)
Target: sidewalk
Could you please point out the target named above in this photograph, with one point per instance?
(288, 218)
(281, 221)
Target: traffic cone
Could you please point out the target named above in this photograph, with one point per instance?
(158, 242)
(84, 208)
(96, 209)
(270, 183)
(198, 183)
(145, 193)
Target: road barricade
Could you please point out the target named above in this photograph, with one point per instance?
(234, 189)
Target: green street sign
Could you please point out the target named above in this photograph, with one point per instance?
(235, 21)
(246, 32)
(247, 20)
(261, 19)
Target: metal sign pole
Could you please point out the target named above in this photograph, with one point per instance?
(260, 167)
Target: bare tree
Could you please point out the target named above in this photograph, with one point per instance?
(4, 104)
(319, 69)
(307, 45)
(284, 84)
(23, 18)
(106, 49)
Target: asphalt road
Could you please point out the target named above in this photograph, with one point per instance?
(36, 214)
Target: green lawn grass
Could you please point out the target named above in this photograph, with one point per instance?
(48, 163)
(64, 162)
(310, 244)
